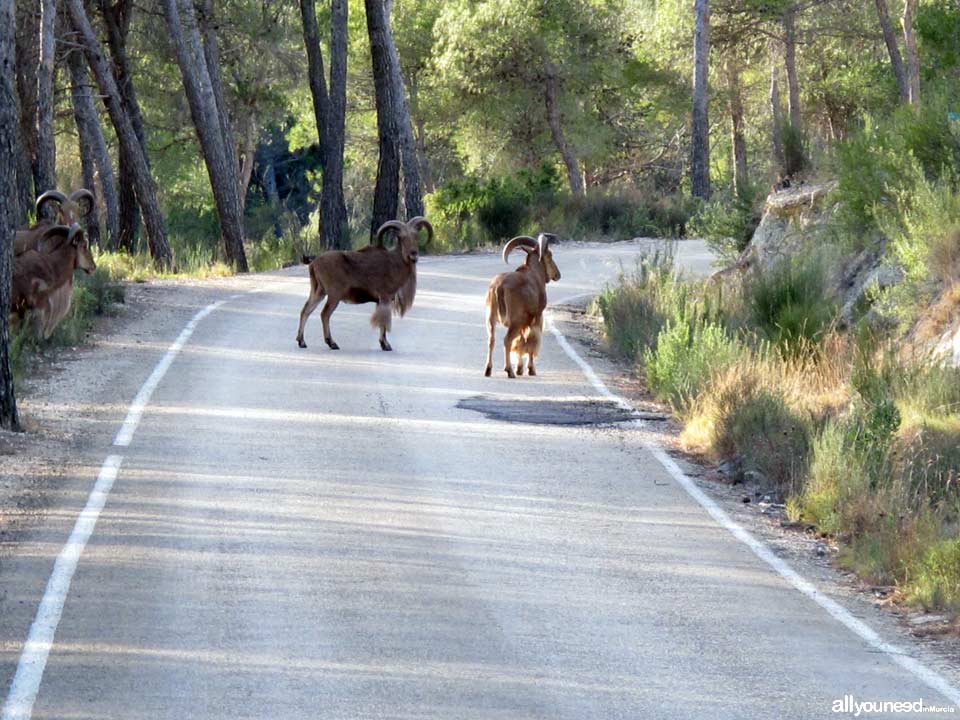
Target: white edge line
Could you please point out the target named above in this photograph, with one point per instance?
(929, 677)
(33, 659)
(139, 404)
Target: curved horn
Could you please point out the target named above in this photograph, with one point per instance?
(63, 231)
(390, 225)
(50, 196)
(75, 230)
(83, 194)
(421, 222)
(521, 241)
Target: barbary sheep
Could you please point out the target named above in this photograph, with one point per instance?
(517, 300)
(43, 278)
(374, 274)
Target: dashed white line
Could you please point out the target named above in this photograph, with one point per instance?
(929, 677)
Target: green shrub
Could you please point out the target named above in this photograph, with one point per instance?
(686, 356)
(794, 150)
(832, 496)
(935, 581)
(636, 308)
(791, 305)
(758, 424)
(727, 223)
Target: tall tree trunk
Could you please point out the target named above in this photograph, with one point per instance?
(27, 61)
(551, 94)
(913, 57)
(223, 174)
(385, 195)
(315, 73)
(116, 19)
(776, 117)
(333, 209)
(211, 51)
(95, 158)
(420, 132)
(700, 125)
(412, 186)
(132, 149)
(737, 138)
(46, 145)
(790, 63)
(9, 419)
(896, 61)
(248, 158)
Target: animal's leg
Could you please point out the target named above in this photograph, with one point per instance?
(381, 318)
(531, 370)
(316, 295)
(325, 314)
(519, 362)
(512, 334)
(491, 338)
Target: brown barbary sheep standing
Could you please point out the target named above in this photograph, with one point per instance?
(373, 274)
(42, 282)
(517, 300)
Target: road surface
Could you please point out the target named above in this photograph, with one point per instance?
(317, 534)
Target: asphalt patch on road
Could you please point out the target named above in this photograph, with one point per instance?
(548, 412)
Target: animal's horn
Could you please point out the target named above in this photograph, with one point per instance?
(83, 194)
(50, 196)
(75, 230)
(390, 225)
(521, 241)
(421, 222)
(62, 232)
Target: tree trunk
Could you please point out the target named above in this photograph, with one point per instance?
(85, 146)
(385, 196)
(94, 155)
(116, 19)
(223, 174)
(776, 116)
(27, 61)
(333, 209)
(46, 146)
(551, 94)
(737, 138)
(420, 133)
(412, 185)
(9, 419)
(790, 63)
(211, 51)
(133, 151)
(315, 73)
(896, 61)
(913, 57)
(248, 158)
(700, 125)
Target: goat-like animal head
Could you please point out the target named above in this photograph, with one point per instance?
(408, 238)
(537, 250)
(73, 234)
(71, 209)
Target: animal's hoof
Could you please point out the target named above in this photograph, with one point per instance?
(385, 346)
(301, 343)
(332, 345)
(510, 374)
(487, 371)
(532, 371)
(519, 370)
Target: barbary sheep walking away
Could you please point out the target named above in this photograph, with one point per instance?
(373, 274)
(517, 300)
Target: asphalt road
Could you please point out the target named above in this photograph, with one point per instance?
(317, 534)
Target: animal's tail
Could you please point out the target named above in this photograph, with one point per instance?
(382, 317)
(501, 304)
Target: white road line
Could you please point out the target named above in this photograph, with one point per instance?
(929, 677)
(129, 427)
(33, 659)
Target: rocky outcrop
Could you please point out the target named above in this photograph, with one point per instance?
(792, 224)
